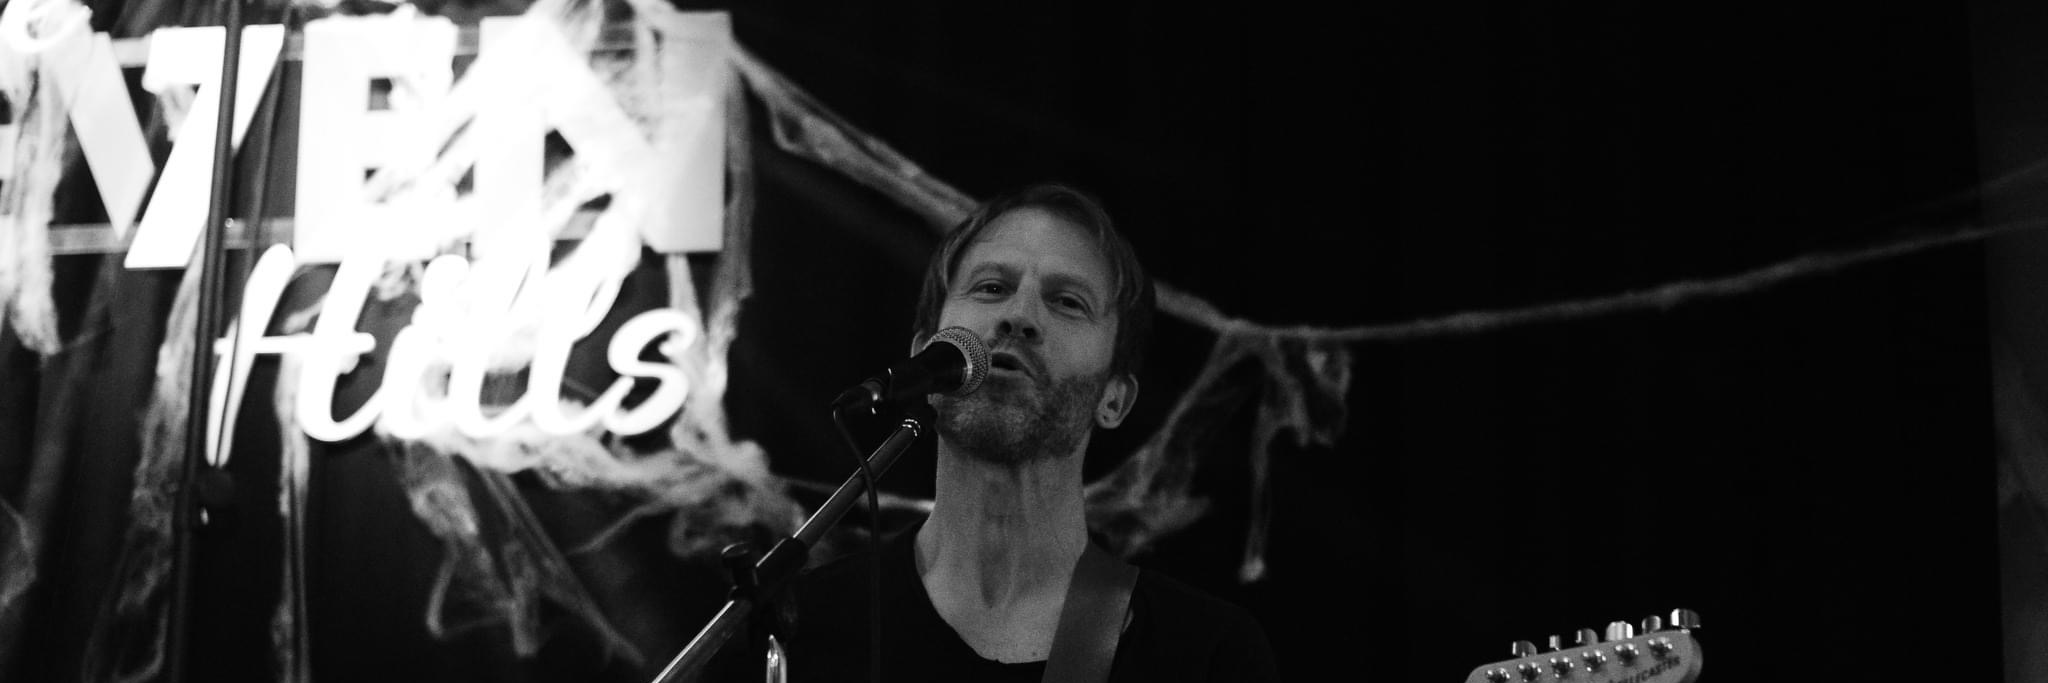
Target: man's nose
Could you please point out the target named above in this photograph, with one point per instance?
(1019, 321)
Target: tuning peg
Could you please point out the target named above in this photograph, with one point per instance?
(1594, 660)
(1653, 624)
(1497, 675)
(1586, 636)
(1620, 630)
(1523, 648)
(1684, 618)
(1554, 643)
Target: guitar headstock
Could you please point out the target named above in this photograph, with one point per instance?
(1660, 653)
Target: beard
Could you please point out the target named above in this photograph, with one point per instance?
(1016, 422)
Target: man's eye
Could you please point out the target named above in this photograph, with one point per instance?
(1073, 302)
(990, 288)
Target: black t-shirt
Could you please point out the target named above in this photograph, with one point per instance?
(1176, 632)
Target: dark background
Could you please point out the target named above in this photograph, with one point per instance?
(1810, 466)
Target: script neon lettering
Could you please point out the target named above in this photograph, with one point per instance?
(464, 316)
(246, 340)
(329, 360)
(496, 290)
(551, 356)
(624, 355)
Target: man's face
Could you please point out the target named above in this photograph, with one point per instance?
(1035, 289)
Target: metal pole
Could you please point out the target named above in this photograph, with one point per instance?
(205, 329)
(783, 562)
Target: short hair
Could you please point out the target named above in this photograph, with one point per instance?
(1131, 292)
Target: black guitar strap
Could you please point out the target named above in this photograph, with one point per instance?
(1092, 620)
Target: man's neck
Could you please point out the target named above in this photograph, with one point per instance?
(1004, 530)
(999, 548)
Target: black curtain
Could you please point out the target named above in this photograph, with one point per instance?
(1801, 464)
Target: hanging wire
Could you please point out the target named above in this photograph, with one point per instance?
(867, 477)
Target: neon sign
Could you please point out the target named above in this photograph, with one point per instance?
(508, 308)
(466, 316)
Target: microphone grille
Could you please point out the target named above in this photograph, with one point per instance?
(975, 352)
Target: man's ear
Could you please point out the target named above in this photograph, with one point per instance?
(1118, 395)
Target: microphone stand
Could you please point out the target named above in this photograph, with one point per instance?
(187, 498)
(765, 579)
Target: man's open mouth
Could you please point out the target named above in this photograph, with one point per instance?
(1008, 361)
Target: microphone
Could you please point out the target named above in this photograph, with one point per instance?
(954, 361)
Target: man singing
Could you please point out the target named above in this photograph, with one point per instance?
(978, 590)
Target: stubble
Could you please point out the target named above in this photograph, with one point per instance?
(1016, 422)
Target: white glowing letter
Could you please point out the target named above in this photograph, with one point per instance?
(336, 355)
(674, 386)
(341, 139)
(89, 80)
(181, 57)
(581, 311)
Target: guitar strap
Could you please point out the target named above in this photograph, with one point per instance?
(1092, 620)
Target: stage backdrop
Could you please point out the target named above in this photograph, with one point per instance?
(540, 239)
(1478, 325)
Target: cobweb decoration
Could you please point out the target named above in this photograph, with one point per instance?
(714, 490)
(291, 643)
(2022, 432)
(17, 557)
(1298, 386)
(127, 643)
(502, 581)
(28, 184)
(498, 567)
(805, 127)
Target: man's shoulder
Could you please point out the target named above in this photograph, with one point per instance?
(1184, 633)
(1175, 605)
(1161, 591)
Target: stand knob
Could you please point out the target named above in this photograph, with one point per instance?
(214, 489)
(739, 559)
